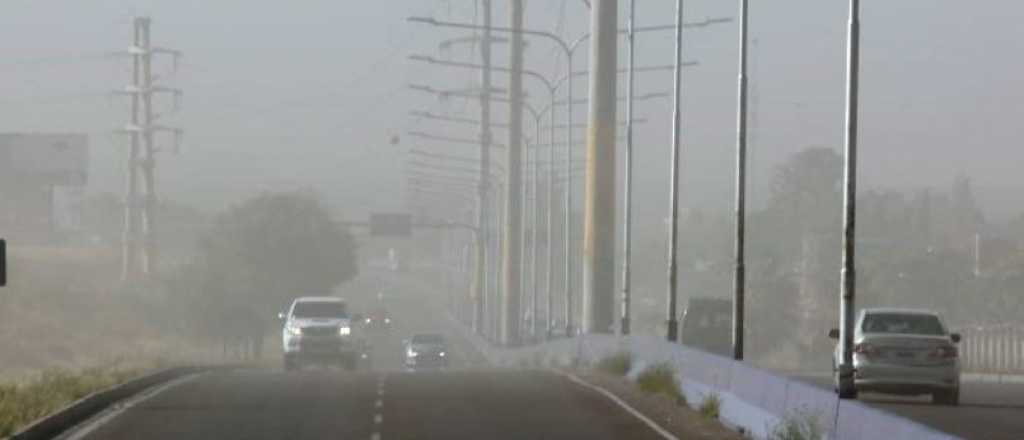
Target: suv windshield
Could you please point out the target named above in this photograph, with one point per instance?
(323, 309)
(903, 323)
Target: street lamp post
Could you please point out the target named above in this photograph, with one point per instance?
(739, 269)
(673, 238)
(848, 275)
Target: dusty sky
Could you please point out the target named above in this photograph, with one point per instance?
(307, 93)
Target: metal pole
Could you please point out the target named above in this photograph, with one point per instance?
(739, 275)
(673, 237)
(848, 275)
(568, 201)
(599, 225)
(149, 163)
(512, 250)
(627, 200)
(480, 311)
(535, 267)
(550, 234)
(129, 263)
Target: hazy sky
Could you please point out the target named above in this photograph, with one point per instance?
(307, 93)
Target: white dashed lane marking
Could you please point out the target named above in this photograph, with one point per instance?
(378, 419)
(378, 404)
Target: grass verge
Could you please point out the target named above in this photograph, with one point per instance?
(617, 364)
(800, 425)
(25, 401)
(661, 379)
(711, 407)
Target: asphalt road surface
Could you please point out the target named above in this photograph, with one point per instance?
(987, 411)
(382, 403)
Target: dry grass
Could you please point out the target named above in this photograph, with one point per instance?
(24, 401)
(661, 379)
(617, 364)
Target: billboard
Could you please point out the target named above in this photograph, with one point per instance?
(55, 159)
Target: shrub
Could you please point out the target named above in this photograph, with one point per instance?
(616, 365)
(711, 406)
(660, 379)
(800, 425)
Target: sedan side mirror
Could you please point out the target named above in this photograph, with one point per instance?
(955, 337)
(833, 333)
(282, 316)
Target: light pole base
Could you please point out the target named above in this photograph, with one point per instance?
(625, 326)
(673, 330)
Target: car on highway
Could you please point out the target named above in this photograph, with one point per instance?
(424, 351)
(902, 351)
(318, 330)
(378, 319)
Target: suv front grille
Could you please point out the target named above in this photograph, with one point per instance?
(320, 331)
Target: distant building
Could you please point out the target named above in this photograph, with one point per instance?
(42, 179)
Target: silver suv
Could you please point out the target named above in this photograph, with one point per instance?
(902, 351)
(318, 329)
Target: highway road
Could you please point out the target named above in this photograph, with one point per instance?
(383, 403)
(465, 402)
(987, 411)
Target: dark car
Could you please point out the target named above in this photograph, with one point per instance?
(707, 325)
(378, 319)
(426, 351)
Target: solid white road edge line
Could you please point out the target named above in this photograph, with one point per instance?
(91, 425)
(611, 396)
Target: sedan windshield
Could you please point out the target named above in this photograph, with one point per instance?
(324, 309)
(903, 323)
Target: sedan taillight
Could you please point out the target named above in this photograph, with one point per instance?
(944, 352)
(865, 349)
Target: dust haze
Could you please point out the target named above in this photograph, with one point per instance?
(300, 114)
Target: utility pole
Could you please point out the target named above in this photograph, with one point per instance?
(627, 199)
(673, 228)
(149, 163)
(599, 226)
(141, 129)
(512, 249)
(129, 237)
(739, 274)
(848, 274)
(482, 267)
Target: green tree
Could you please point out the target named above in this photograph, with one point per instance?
(261, 254)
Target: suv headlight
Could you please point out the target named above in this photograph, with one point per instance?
(411, 353)
(294, 329)
(344, 331)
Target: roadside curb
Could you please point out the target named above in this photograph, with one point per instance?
(60, 421)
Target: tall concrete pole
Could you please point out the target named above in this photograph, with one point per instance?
(627, 199)
(149, 163)
(599, 227)
(512, 249)
(849, 274)
(129, 238)
(739, 269)
(673, 228)
(481, 288)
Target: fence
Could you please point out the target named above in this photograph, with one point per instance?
(992, 348)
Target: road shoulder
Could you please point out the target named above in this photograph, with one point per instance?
(679, 420)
